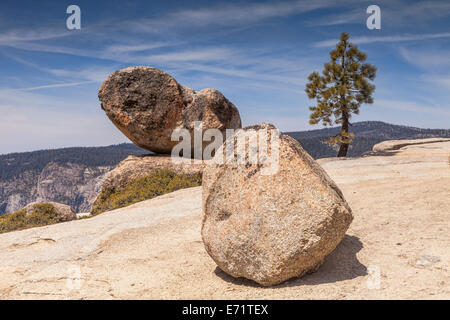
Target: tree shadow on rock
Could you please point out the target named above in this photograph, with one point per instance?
(342, 264)
(389, 153)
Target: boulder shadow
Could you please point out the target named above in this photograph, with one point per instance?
(342, 264)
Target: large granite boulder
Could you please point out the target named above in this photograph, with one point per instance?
(147, 105)
(63, 212)
(133, 168)
(272, 227)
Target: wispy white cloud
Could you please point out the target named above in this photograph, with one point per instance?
(53, 48)
(125, 48)
(219, 61)
(412, 106)
(55, 85)
(435, 65)
(394, 12)
(232, 14)
(188, 45)
(426, 59)
(214, 60)
(398, 38)
(22, 35)
(90, 74)
(202, 54)
(353, 16)
(220, 15)
(256, 74)
(423, 10)
(33, 121)
(442, 80)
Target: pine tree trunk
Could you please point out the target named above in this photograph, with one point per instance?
(343, 150)
(344, 146)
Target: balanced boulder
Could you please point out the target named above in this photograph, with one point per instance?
(147, 105)
(274, 225)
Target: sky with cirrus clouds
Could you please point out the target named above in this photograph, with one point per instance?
(258, 53)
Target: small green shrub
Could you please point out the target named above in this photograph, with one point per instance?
(158, 182)
(43, 214)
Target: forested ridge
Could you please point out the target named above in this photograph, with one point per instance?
(13, 164)
(367, 134)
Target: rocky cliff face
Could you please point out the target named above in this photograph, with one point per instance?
(73, 184)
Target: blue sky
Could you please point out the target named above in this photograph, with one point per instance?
(258, 54)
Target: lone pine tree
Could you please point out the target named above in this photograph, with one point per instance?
(340, 90)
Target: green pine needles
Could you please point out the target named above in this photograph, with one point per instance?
(341, 89)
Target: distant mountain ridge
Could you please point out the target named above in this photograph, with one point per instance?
(367, 134)
(73, 176)
(373, 128)
(13, 163)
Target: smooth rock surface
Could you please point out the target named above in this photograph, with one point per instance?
(392, 145)
(153, 249)
(147, 105)
(270, 228)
